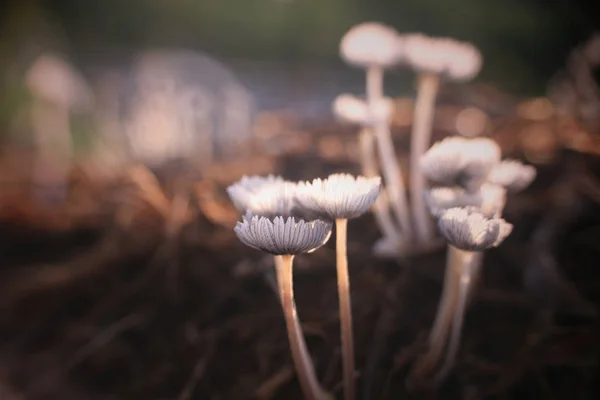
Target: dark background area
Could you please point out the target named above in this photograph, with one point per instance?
(523, 42)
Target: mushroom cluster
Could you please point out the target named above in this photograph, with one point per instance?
(287, 218)
(376, 47)
(468, 210)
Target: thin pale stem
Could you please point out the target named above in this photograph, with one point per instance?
(343, 280)
(368, 163)
(443, 318)
(393, 178)
(470, 265)
(304, 367)
(390, 168)
(420, 139)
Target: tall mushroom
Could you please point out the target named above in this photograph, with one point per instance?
(57, 90)
(285, 238)
(341, 197)
(432, 58)
(374, 46)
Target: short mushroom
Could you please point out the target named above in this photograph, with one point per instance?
(468, 232)
(341, 197)
(285, 238)
(432, 58)
(512, 174)
(351, 109)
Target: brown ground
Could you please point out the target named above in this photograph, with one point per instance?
(97, 304)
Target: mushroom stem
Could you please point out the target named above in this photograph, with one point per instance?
(421, 137)
(304, 367)
(343, 281)
(470, 263)
(368, 163)
(391, 170)
(374, 85)
(443, 318)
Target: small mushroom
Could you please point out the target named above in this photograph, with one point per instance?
(460, 160)
(341, 197)
(468, 232)
(489, 198)
(512, 174)
(57, 89)
(374, 46)
(432, 58)
(354, 110)
(284, 238)
(265, 196)
(468, 229)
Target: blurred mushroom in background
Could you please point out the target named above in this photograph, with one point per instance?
(58, 90)
(184, 105)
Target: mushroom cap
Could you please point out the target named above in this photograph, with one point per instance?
(355, 110)
(456, 60)
(370, 44)
(460, 160)
(338, 196)
(512, 174)
(468, 229)
(52, 79)
(260, 195)
(443, 161)
(479, 156)
(283, 236)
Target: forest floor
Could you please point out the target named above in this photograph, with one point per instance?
(98, 302)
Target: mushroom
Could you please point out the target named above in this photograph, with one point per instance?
(373, 46)
(341, 197)
(512, 174)
(489, 198)
(432, 58)
(458, 160)
(469, 218)
(468, 233)
(270, 197)
(57, 90)
(351, 109)
(285, 238)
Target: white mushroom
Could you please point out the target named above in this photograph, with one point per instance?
(512, 174)
(374, 46)
(285, 238)
(341, 197)
(432, 58)
(468, 232)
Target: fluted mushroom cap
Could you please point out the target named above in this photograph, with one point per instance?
(338, 196)
(283, 236)
(355, 110)
(370, 44)
(442, 56)
(265, 196)
(489, 198)
(512, 174)
(468, 229)
(52, 79)
(460, 160)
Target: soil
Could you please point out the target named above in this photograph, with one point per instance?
(105, 303)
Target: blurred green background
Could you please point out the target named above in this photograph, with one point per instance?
(524, 42)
